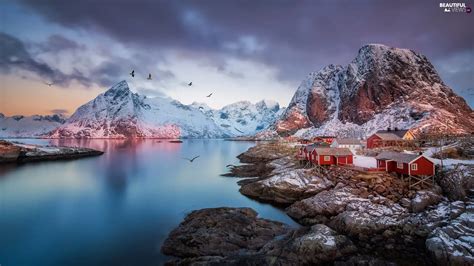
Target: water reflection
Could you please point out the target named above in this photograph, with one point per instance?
(114, 209)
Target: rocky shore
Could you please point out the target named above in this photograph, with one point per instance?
(11, 152)
(348, 217)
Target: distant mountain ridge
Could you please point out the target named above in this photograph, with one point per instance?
(120, 113)
(29, 126)
(381, 87)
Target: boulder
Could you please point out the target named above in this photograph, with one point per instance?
(221, 232)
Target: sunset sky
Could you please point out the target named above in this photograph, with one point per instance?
(239, 50)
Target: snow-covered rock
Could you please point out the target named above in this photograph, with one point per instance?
(453, 244)
(28, 126)
(243, 118)
(120, 113)
(381, 87)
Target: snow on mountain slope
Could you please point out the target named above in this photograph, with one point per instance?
(28, 126)
(120, 113)
(381, 87)
(243, 118)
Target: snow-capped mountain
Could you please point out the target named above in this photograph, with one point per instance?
(381, 87)
(120, 113)
(28, 126)
(243, 118)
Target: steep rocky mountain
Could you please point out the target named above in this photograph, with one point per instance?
(381, 87)
(28, 126)
(120, 113)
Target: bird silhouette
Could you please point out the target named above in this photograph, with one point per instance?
(200, 107)
(190, 83)
(132, 73)
(49, 84)
(191, 160)
(149, 76)
(238, 130)
(209, 95)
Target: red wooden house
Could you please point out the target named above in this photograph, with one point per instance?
(405, 164)
(331, 156)
(387, 138)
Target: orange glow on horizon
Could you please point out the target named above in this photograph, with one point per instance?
(29, 97)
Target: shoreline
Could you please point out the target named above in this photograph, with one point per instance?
(384, 222)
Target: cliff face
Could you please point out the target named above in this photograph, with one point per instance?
(381, 87)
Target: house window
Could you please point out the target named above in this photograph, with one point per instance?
(327, 158)
(400, 165)
(414, 166)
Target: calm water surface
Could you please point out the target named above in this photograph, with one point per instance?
(115, 209)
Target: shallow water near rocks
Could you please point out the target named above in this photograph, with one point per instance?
(115, 209)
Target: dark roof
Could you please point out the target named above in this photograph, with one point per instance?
(348, 141)
(333, 151)
(399, 133)
(397, 156)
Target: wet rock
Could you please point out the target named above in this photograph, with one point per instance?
(221, 232)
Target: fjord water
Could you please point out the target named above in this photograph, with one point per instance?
(115, 209)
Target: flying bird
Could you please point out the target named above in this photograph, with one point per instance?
(191, 160)
(132, 73)
(238, 130)
(149, 76)
(200, 107)
(209, 95)
(49, 84)
(190, 83)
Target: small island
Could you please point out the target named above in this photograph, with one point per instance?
(13, 152)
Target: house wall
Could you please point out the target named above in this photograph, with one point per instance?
(371, 140)
(403, 170)
(425, 167)
(381, 164)
(350, 159)
(345, 159)
(332, 160)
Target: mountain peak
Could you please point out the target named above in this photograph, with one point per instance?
(120, 86)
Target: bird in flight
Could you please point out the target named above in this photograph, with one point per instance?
(190, 83)
(200, 107)
(132, 73)
(238, 130)
(149, 76)
(209, 95)
(191, 160)
(49, 84)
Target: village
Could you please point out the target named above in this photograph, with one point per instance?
(394, 151)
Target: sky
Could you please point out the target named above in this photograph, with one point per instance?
(238, 50)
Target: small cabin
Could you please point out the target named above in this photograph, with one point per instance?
(389, 137)
(405, 164)
(351, 143)
(331, 156)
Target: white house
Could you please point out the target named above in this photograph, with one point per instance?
(350, 143)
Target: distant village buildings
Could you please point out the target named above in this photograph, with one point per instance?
(351, 143)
